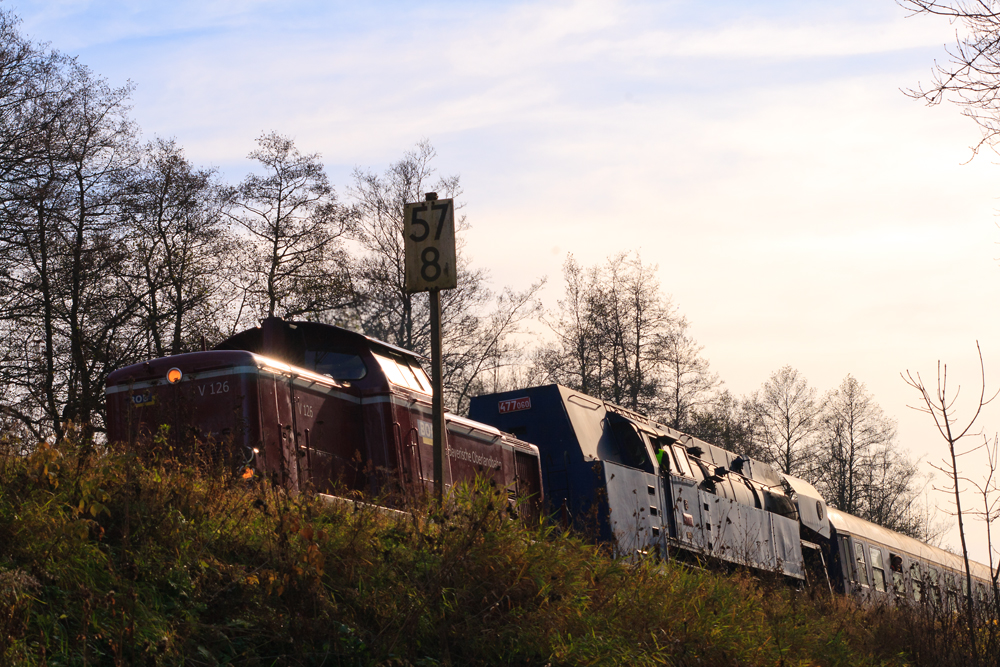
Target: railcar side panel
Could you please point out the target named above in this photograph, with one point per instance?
(217, 397)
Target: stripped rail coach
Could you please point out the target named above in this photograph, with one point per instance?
(312, 404)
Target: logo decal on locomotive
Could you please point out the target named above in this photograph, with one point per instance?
(139, 400)
(426, 431)
(515, 404)
(473, 458)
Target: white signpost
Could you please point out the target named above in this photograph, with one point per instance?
(429, 242)
(429, 245)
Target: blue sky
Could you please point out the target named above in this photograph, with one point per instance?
(801, 209)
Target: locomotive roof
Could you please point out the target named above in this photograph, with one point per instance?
(196, 364)
(253, 337)
(471, 426)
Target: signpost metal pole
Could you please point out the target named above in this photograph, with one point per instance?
(437, 400)
(429, 243)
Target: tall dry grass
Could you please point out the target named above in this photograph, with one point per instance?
(158, 556)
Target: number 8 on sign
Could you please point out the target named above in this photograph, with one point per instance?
(429, 242)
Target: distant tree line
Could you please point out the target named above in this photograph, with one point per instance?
(114, 250)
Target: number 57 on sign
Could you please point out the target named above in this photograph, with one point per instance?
(429, 244)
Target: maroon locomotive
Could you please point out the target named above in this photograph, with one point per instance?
(317, 405)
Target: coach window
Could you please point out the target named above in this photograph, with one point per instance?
(917, 580)
(859, 558)
(933, 588)
(896, 565)
(951, 592)
(878, 571)
(845, 558)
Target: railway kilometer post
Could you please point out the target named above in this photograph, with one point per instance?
(429, 244)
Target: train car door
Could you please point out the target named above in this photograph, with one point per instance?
(419, 442)
(329, 435)
(278, 446)
(526, 475)
(312, 468)
(410, 457)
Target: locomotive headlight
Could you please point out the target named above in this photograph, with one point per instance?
(174, 375)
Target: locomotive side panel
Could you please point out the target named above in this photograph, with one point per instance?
(218, 402)
(635, 508)
(538, 415)
(470, 457)
(527, 470)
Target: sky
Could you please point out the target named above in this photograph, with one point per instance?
(802, 210)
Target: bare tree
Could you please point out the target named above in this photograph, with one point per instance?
(491, 358)
(573, 360)
(786, 419)
(621, 339)
(30, 77)
(31, 81)
(608, 329)
(970, 77)
(180, 247)
(941, 407)
(988, 490)
(293, 223)
(857, 463)
(728, 422)
(689, 384)
(62, 256)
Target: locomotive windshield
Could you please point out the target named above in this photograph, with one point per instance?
(399, 371)
(338, 365)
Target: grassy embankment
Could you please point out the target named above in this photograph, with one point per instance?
(109, 559)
